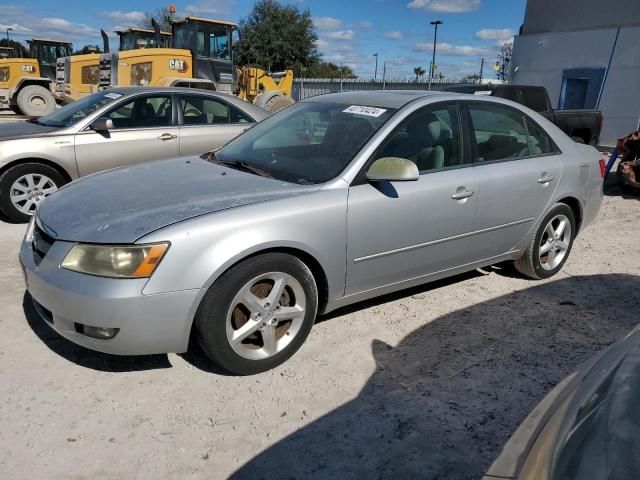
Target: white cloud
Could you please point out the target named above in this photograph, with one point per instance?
(209, 7)
(445, 6)
(364, 24)
(444, 48)
(346, 35)
(327, 23)
(394, 35)
(11, 10)
(500, 35)
(17, 28)
(127, 18)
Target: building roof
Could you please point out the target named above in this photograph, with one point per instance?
(49, 40)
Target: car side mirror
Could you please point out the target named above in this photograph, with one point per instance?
(393, 169)
(102, 124)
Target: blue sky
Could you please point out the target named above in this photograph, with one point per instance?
(349, 31)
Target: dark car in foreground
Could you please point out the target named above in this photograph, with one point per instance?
(588, 427)
(582, 125)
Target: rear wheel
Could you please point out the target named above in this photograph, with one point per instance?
(258, 314)
(278, 103)
(35, 100)
(551, 245)
(23, 187)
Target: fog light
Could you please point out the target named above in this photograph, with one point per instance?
(101, 333)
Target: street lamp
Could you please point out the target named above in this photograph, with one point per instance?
(435, 23)
(9, 29)
(375, 73)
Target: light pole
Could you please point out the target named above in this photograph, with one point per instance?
(435, 23)
(384, 75)
(9, 29)
(375, 73)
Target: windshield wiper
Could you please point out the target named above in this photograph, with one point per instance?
(237, 164)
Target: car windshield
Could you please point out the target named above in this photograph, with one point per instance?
(70, 114)
(306, 143)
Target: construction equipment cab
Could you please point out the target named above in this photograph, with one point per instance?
(26, 83)
(135, 38)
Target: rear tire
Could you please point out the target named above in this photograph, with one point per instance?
(35, 101)
(278, 103)
(258, 313)
(24, 186)
(550, 246)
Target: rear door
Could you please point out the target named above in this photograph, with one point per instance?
(208, 122)
(407, 230)
(144, 129)
(518, 168)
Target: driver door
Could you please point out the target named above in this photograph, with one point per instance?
(144, 129)
(401, 231)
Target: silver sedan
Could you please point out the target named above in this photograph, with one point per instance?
(332, 201)
(110, 129)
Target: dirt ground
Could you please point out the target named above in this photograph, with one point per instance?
(427, 383)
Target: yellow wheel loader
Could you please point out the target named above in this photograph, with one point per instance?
(26, 83)
(200, 57)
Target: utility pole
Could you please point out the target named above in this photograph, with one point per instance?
(435, 23)
(384, 75)
(481, 69)
(341, 73)
(375, 73)
(9, 29)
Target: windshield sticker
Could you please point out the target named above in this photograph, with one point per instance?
(483, 92)
(113, 95)
(368, 111)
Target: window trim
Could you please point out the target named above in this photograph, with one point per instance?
(361, 179)
(472, 138)
(180, 113)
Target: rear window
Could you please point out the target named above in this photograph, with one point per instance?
(535, 99)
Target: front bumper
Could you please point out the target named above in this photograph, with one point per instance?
(148, 324)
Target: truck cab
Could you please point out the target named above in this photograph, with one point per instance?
(135, 38)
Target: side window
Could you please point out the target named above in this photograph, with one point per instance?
(200, 50)
(238, 116)
(540, 142)
(498, 132)
(199, 110)
(429, 137)
(143, 112)
(535, 98)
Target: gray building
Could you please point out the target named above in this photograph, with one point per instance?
(587, 54)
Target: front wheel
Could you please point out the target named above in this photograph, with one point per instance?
(23, 187)
(36, 101)
(551, 245)
(257, 314)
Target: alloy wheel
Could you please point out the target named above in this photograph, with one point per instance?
(555, 242)
(29, 190)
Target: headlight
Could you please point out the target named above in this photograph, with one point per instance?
(135, 261)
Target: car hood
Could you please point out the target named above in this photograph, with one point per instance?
(124, 204)
(23, 129)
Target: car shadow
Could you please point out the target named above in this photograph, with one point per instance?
(612, 189)
(83, 356)
(442, 403)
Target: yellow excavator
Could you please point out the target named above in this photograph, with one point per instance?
(26, 83)
(201, 57)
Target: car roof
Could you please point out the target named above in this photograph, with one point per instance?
(377, 98)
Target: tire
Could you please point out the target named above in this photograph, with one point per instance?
(24, 186)
(278, 103)
(531, 264)
(578, 140)
(35, 100)
(222, 315)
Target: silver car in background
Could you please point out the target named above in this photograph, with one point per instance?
(334, 200)
(109, 129)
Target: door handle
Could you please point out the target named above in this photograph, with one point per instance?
(462, 195)
(167, 136)
(545, 178)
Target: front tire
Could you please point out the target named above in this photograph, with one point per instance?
(36, 101)
(551, 245)
(257, 314)
(24, 186)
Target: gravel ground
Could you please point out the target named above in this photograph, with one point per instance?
(426, 383)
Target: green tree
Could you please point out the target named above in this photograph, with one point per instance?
(19, 49)
(327, 70)
(504, 62)
(419, 72)
(161, 15)
(277, 37)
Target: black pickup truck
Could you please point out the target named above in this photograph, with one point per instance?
(583, 126)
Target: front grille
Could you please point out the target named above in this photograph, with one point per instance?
(41, 244)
